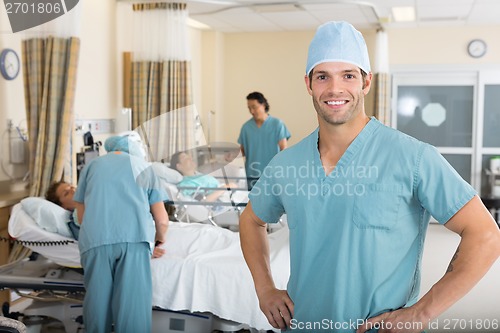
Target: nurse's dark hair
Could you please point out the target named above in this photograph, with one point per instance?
(51, 194)
(363, 75)
(259, 97)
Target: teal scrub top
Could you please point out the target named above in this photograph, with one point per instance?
(356, 235)
(198, 181)
(261, 143)
(117, 190)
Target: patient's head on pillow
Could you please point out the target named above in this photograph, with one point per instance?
(183, 162)
(61, 193)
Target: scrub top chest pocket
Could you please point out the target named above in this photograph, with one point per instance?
(377, 206)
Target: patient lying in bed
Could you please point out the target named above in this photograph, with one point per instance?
(203, 269)
(195, 184)
(189, 190)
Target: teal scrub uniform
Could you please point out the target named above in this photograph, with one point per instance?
(357, 234)
(115, 241)
(261, 144)
(199, 180)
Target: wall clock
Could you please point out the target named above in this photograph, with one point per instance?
(477, 48)
(9, 64)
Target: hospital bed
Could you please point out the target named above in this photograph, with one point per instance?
(201, 284)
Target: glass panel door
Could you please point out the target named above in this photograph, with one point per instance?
(438, 108)
(439, 115)
(491, 133)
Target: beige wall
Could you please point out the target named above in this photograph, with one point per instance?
(444, 45)
(274, 64)
(96, 78)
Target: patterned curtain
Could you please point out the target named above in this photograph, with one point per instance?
(161, 95)
(381, 83)
(49, 67)
(159, 88)
(382, 100)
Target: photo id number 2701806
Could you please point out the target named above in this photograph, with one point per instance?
(467, 325)
(33, 8)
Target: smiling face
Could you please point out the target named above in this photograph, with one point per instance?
(338, 92)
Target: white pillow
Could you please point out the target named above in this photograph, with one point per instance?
(48, 215)
(167, 174)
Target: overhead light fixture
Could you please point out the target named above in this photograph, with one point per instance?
(403, 14)
(276, 8)
(197, 24)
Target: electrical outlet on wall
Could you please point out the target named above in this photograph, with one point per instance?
(95, 126)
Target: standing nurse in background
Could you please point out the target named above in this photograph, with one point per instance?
(261, 137)
(121, 211)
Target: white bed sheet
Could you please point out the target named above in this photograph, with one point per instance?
(203, 269)
(210, 274)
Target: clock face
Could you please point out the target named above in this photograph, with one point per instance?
(9, 64)
(476, 48)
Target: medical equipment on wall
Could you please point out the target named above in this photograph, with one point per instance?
(90, 151)
(18, 151)
(493, 174)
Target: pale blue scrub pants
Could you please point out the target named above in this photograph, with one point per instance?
(118, 288)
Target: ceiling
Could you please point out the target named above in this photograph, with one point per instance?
(283, 15)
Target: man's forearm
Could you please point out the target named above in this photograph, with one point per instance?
(160, 217)
(255, 247)
(161, 230)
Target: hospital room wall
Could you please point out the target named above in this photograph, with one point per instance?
(11, 102)
(103, 38)
(274, 63)
(97, 82)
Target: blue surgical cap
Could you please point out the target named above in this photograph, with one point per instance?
(116, 143)
(125, 143)
(338, 42)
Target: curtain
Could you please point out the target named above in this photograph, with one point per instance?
(49, 73)
(161, 96)
(382, 79)
(49, 59)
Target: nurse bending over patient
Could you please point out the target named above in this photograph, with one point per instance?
(122, 215)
